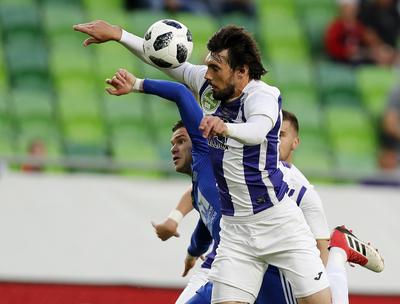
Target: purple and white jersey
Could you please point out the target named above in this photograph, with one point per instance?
(248, 176)
(307, 198)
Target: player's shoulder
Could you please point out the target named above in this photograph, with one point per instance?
(296, 173)
(259, 87)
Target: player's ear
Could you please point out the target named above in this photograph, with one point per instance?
(296, 142)
(242, 71)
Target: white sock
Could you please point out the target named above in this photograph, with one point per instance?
(337, 276)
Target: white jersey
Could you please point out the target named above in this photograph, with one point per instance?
(249, 179)
(304, 194)
(248, 176)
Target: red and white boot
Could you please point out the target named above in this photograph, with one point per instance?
(358, 252)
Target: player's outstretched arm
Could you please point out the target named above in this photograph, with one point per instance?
(124, 82)
(99, 31)
(169, 227)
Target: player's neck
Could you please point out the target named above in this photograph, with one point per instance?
(289, 159)
(239, 87)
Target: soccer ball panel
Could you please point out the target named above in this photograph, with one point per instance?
(168, 43)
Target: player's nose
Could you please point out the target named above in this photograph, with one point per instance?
(208, 75)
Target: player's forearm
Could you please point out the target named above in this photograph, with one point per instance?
(252, 132)
(200, 241)
(135, 45)
(188, 107)
(185, 204)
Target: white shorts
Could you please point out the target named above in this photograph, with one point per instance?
(278, 236)
(198, 279)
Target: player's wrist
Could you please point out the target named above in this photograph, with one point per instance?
(124, 36)
(137, 85)
(176, 216)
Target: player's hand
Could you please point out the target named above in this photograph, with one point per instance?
(190, 261)
(99, 31)
(122, 83)
(213, 126)
(167, 229)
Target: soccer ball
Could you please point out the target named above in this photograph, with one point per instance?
(168, 43)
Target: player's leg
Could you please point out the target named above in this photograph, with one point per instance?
(337, 276)
(346, 247)
(298, 258)
(198, 279)
(236, 272)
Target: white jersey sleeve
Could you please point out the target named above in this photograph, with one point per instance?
(314, 213)
(261, 111)
(190, 74)
(262, 102)
(308, 200)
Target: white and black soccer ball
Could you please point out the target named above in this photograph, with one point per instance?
(168, 43)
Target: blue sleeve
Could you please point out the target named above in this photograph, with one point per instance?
(189, 109)
(200, 241)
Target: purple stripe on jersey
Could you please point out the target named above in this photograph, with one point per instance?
(217, 156)
(228, 112)
(280, 186)
(272, 148)
(285, 164)
(257, 189)
(301, 194)
(242, 110)
(275, 174)
(291, 192)
(203, 88)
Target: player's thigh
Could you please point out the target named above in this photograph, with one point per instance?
(198, 279)
(226, 294)
(300, 262)
(320, 297)
(304, 270)
(235, 263)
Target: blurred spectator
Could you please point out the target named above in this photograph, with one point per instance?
(390, 133)
(382, 20)
(347, 40)
(245, 7)
(192, 6)
(36, 151)
(142, 4)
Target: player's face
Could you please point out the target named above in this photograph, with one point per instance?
(181, 151)
(288, 141)
(220, 75)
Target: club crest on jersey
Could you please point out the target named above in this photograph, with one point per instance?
(208, 103)
(218, 142)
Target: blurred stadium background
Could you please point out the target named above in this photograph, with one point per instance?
(52, 89)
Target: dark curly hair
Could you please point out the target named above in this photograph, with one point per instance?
(242, 49)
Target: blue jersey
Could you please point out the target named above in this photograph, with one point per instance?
(205, 193)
